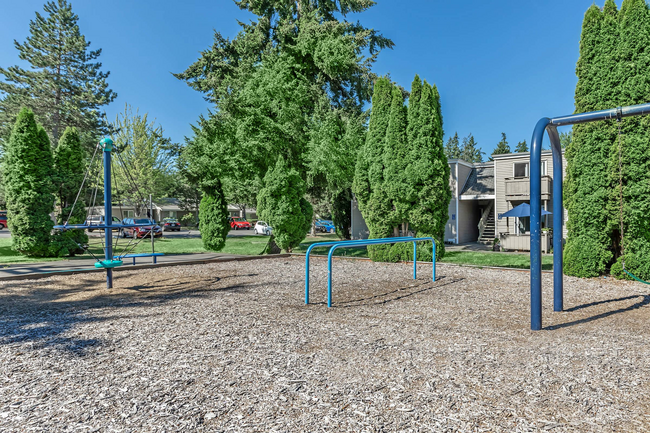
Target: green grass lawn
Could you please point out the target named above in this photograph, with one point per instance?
(254, 245)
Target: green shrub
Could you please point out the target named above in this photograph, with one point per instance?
(213, 218)
(282, 204)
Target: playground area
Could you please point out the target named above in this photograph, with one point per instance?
(232, 347)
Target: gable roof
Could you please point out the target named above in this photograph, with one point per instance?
(480, 182)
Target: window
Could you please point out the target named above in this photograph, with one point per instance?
(170, 213)
(129, 214)
(520, 169)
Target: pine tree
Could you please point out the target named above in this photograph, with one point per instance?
(522, 147)
(28, 185)
(69, 168)
(452, 148)
(470, 151)
(282, 204)
(65, 85)
(502, 146)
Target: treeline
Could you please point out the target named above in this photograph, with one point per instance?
(613, 70)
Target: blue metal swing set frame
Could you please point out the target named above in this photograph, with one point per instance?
(550, 125)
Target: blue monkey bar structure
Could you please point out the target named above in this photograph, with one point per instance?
(361, 243)
(550, 125)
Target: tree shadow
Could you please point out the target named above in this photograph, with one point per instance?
(393, 295)
(643, 302)
(44, 316)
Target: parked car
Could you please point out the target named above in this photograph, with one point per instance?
(140, 231)
(325, 226)
(239, 223)
(98, 220)
(3, 219)
(171, 224)
(262, 228)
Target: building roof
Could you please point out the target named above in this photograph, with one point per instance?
(480, 181)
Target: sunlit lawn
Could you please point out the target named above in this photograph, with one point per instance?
(255, 245)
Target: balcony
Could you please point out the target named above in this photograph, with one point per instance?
(518, 188)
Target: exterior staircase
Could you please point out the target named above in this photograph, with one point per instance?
(487, 235)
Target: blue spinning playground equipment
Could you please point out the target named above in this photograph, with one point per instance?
(550, 125)
(334, 245)
(110, 261)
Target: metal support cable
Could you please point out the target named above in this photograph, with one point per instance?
(82, 185)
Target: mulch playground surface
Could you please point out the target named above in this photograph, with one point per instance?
(232, 347)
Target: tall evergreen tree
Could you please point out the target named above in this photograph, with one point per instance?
(369, 173)
(213, 216)
(65, 85)
(452, 148)
(396, 159)
(502, 146)
(522, 147)
(429, 173)
(632, 65)
(588, 249)
(69, 168)
(470, 151)
(28, 177)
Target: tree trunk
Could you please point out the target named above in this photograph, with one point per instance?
(272, 247)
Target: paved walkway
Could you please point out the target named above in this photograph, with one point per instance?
(26, 269)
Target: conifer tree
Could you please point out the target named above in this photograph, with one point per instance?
(470, 151)
(213, 216)
(452, 148)
(282, 204)
(522, 146)
(502, 146)
(587, 252)
(28, 185)
(632, 65)
(369, 174)
(65, 85)
(396, 159)
(69, 168)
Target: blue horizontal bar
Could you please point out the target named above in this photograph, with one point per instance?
(363, 242)
(99, 226)
(611, 114)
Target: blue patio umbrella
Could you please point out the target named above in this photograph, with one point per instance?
(523, 210)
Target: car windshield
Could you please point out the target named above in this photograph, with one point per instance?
(170, 220)
(141, 221)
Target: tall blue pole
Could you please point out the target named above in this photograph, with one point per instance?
(107, 145)
(536, 224)
(558, 220)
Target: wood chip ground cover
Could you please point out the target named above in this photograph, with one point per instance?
(232, 347)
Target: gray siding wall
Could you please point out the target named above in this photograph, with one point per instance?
(504, 169)
(468, 218)
(456, 188)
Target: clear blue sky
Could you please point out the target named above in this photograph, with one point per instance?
(499, 66)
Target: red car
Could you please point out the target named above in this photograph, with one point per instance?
(3, 219)
(239, 223)
(140, 231)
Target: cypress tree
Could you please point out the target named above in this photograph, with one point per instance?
(65, 85)
(633, 76)
(282, 204)
(213, 216)
(69, 168)
(368, 184)
(429, 174)
(396, 159)
(587, 252)
(28, 185)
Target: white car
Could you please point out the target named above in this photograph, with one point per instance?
(262, 228)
